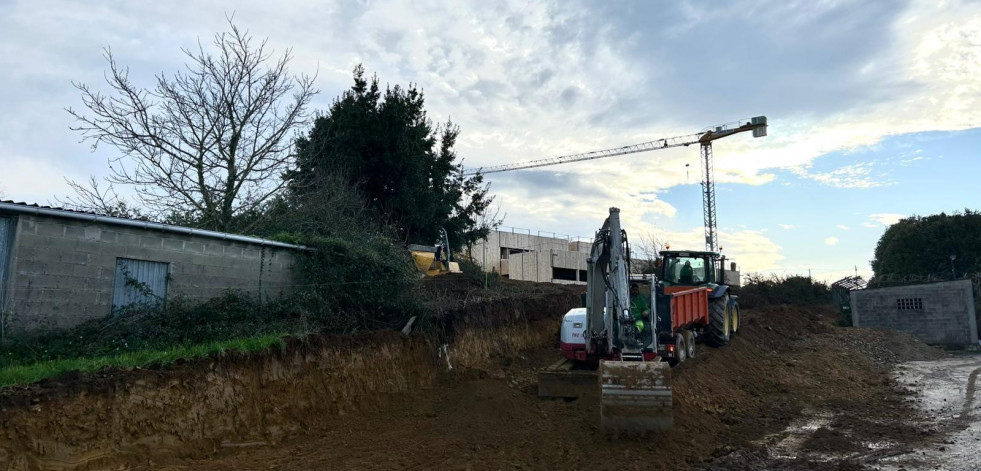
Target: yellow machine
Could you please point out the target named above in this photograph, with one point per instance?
(434, 260)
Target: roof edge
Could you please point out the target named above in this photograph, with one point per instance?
(21, 208)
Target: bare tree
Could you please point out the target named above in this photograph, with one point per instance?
(213, 140)
(103, 200)
(646, 248)
(487, 220)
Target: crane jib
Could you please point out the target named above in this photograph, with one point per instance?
(756, 124)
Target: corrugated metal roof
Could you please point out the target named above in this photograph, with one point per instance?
(22, 207)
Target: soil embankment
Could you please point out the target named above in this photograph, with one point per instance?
(382, 401)
(185, 411)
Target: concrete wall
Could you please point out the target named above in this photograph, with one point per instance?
(523, 256)
(937, 313)
(62, 270)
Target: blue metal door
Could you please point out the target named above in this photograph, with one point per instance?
(7, 227)
(139, 283)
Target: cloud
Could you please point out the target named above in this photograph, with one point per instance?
(535, 79)
(752, 250)
(908, 162)
(831, 241)
(858, 175)
(842, 227)
(884, 219)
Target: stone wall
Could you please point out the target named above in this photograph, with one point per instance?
(62, 270)
(937, 313)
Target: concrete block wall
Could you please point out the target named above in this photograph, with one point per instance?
(947, 315)
(62, 270)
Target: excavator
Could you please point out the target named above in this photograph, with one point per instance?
(604, 343)
(434, 260)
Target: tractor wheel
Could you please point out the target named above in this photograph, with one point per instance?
(718, 328)
(734, 320)
(680, 351)
(689, 342)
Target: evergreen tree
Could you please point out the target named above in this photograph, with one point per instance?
(407, 169)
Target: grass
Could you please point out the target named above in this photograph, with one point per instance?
(34, 372)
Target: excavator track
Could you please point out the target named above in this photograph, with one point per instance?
(635, 397)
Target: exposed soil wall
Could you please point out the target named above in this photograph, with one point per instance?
(735, 409)
(193, 409)
(384, 401)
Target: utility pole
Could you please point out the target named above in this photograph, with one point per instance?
(953, 274)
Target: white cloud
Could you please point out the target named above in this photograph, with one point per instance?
(884, 219)
(858, 175)
(532, 79)
(908, 162)
(752, 250)
(831, 241)
(843, 227)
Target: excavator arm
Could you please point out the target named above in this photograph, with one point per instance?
(608, 291)
(635, 395)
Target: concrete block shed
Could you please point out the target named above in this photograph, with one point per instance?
(59, 268)
(938, 313)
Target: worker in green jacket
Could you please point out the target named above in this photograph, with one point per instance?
(640, 307)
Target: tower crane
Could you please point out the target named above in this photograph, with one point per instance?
(703, 138)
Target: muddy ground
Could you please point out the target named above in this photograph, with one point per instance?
(791, 391)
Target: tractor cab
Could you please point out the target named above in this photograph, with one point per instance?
(695, 268)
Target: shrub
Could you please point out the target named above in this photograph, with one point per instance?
(477, 274)
(369, 284)
(760, 290)
(182, 322)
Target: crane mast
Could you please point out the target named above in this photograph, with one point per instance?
(704, 138)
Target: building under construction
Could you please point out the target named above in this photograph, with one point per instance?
(546, 257)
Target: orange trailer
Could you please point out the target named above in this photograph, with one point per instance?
(681, 312)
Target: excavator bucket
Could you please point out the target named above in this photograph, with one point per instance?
(635, 397)
(427, 264)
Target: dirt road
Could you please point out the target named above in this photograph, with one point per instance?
(946, 392)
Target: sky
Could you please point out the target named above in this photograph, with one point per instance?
(874, 108)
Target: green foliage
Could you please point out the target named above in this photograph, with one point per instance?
(759, 290)
(923, 245)
(26, 373)
(149, 328)
(385, 145)
(358, 275)
(369, 283)
(478, 275)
